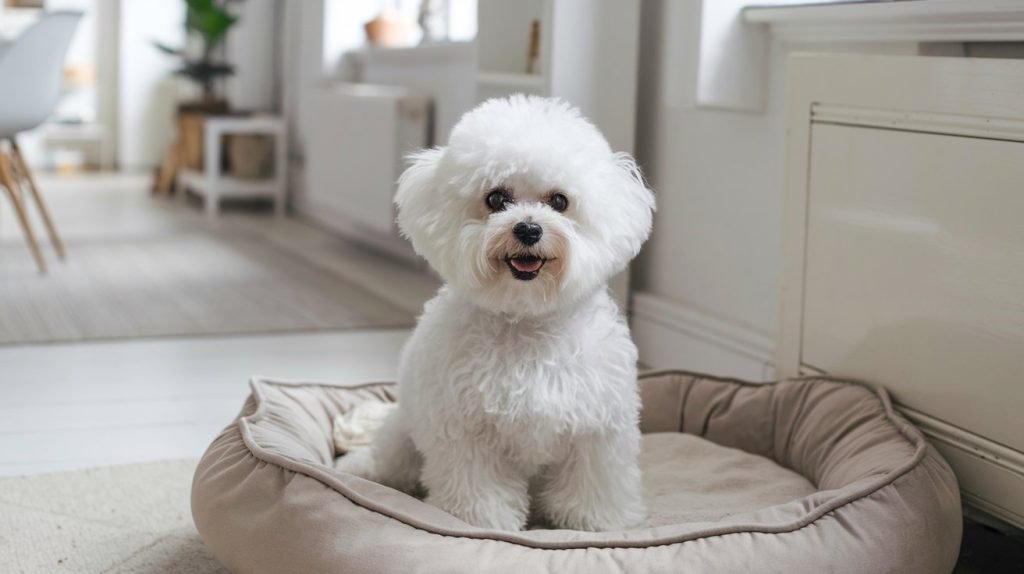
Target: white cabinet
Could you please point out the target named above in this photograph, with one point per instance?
(355, 151)
(444, 72)
(905, 249)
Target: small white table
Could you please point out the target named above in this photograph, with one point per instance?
(54, 134)
(214, 185)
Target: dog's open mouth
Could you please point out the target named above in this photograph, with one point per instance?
(525, 267)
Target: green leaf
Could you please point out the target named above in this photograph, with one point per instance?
(200, 5)
(209, 20)
(167, 49)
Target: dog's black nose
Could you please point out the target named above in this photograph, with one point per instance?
(528, 233)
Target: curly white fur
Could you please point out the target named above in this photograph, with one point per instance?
(509, 387)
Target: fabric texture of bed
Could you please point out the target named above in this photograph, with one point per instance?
(804, 475)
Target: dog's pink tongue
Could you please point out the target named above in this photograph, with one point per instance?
(527, 265)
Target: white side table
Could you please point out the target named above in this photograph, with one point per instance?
(94, 134)
(214, 185)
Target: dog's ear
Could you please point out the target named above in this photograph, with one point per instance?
(416, 196)
(417, 179)
(638, 203)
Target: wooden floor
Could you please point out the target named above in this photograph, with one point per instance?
(67, 406)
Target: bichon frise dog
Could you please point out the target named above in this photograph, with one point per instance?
(520, 378)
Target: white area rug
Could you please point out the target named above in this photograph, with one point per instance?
(118, 520)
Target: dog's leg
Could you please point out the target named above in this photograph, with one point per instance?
(597, 486)
(396, 462)
(477, 485)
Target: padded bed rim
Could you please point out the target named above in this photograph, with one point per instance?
(904, 428)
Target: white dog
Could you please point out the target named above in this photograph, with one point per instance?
(520, 377)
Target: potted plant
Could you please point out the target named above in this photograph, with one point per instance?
(207, 23)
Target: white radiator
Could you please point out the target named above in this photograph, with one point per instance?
(355, 150)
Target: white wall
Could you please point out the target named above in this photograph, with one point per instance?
(82, 53)
(107, 72)
(252, 47)
(147, 93)
(715, 253)
(302, 71)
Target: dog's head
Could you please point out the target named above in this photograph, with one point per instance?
(527, 209)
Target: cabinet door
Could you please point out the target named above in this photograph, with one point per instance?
(905, 249)
(915, 271)
(356, 150)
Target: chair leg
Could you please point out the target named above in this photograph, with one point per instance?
(21, 167)
(8, 182)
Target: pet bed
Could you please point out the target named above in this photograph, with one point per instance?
(803, 475)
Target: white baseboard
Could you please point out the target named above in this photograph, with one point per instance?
(991, 475)
(670, 335)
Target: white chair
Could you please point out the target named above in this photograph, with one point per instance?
(31, 73)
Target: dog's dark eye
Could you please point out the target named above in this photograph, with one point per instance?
(497, 199)
(559, 202)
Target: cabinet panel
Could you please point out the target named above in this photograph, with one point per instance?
(355, 175)
(914, 274)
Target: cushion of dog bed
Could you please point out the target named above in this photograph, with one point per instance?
(803, 475)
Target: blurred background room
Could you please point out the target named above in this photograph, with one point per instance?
(194, 192)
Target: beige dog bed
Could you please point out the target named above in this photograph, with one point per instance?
(806, 475)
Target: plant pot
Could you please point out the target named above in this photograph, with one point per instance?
(251, 156)
(191, 119)
(389, 30)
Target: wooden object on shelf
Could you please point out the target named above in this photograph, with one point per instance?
(533, 54)
(163, 183)
(190, 134)
(191, 119)
(187, 149)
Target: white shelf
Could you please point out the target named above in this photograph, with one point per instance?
(414, 55)
(532, 82)
(908, 21)
(231, 187)
(83, 131)
(14, 21)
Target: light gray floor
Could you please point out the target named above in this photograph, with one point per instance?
(77, 405)
(92, 404)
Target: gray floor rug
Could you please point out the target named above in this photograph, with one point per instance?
(191, 283)
(118, 520)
